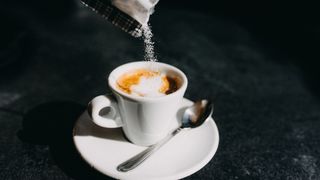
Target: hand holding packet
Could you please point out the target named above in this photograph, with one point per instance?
(129, 16)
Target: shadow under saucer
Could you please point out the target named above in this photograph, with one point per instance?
(51, 124)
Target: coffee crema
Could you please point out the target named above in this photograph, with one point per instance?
(147, 83)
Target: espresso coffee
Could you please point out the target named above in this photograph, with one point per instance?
(147, 83)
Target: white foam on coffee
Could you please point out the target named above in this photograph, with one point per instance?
(148, 87)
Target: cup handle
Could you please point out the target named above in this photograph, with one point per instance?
(104, 111)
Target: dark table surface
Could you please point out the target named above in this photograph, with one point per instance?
(266, 97)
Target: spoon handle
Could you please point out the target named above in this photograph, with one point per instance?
(141, 157)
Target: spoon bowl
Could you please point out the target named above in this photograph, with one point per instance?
(197, 114)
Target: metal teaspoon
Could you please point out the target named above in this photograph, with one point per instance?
(193, 117)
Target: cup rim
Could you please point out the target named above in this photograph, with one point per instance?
(179, 92)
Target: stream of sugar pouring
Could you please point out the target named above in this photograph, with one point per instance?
(148, 44)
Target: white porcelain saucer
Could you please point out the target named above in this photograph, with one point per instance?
(104, 149)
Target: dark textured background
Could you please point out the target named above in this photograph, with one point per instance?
(258, 62)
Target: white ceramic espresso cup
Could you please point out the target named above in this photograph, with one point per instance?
(144, 120)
